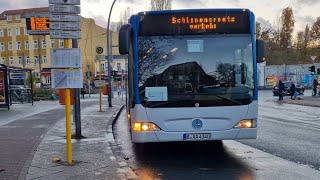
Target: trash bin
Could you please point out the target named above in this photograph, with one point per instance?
(62, 96)
(105, 90)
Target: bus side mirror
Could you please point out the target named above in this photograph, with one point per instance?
(124, 39)
(260, 51)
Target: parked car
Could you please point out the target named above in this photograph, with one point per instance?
(287, 84)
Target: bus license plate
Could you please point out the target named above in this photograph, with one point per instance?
(196, 137)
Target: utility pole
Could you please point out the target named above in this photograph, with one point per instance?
(39, 59)
(76, 106)
(110, 57)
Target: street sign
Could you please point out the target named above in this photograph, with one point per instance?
(66, 58)
(38, 24)
(67, 78)
(65, 17)
(71, 26)
(58, 34)
(64, 9)
(101, 57)
(99, 83)
(313, 58)
(67, 2)
(99, 50)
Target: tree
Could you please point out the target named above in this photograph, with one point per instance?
(307, 37)
(124, 18)
(258, 30)
(158, 5)
(300, 40)
(315, 31)
(287, 26)
(151, 56)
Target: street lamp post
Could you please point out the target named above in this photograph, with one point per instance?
(109, 56)
(285, 67)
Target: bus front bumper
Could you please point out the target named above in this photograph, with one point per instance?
(162, 136)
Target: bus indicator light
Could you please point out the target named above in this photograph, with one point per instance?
(138, 126)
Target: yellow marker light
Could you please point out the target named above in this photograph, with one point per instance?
(246, 123)
(129, 116)
(138, 126)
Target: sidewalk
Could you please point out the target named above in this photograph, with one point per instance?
(93, 157)
(313, 101)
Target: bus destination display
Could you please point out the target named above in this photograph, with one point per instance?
(233, 22)
(38, 25)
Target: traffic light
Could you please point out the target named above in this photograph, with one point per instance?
(318, 71)
(312, 70)
(114, 73)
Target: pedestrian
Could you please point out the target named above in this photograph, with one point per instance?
(83, 91)
(119, 90)
(292, 89)
(315, 84)
(281, 88)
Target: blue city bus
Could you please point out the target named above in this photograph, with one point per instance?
(192, 75)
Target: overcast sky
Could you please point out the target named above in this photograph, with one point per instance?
(267, 12)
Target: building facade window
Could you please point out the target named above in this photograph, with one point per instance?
(26, 45)
(35, 45)
(52, 43)
(19, 60)
(44, 60)
(2, 46)
(9, 18)
(3, 60)
(9, 32)
(1, 33)
(102, 67)
(36, 60)
(25, 31)
(37, 74)
(10, 46)
(18, 31)
(11, 60)
(44, 44)
(18, 17)
(48, 80)
(61, 43)
(19, 45)
(118, 67)
(27, 60)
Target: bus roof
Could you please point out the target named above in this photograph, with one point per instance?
(192, 11)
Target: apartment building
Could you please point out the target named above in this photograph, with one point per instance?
(19, 49)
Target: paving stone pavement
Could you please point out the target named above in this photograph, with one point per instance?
(93, 156)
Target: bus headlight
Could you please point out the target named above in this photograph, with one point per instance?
(144, 126)
(246, 123)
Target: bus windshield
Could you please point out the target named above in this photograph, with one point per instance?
(195, 70)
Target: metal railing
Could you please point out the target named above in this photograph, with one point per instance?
(20, 95)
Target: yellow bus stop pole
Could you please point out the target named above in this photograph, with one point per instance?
(100, 69)
(68, 119)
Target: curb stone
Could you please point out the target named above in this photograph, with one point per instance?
(124, 172)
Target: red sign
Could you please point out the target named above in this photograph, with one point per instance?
(2, 89)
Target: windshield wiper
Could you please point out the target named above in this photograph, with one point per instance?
(159, 104)
(230, 100)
